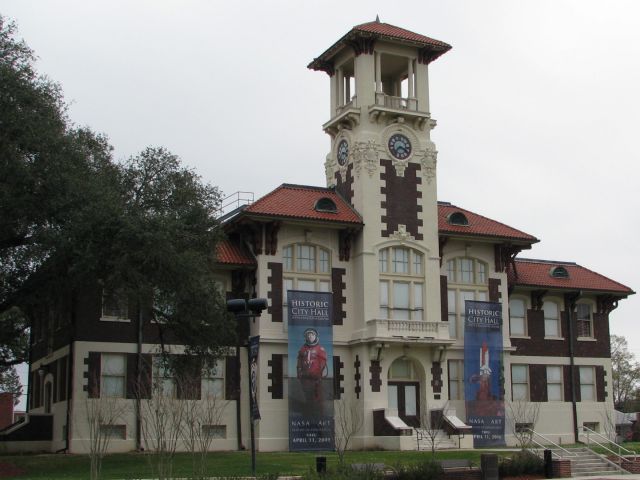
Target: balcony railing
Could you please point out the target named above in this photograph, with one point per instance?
(408, 328)
(397, 103)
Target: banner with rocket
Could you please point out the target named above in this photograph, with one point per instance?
(483, 376)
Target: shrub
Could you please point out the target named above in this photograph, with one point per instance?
(425, 470)
(521, 463)
(345, 472)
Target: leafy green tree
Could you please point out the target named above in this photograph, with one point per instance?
(10, 383)
(625, 372)
(70, 215)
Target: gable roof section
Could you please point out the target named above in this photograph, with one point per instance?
(298, 201)
(228, 253)
(385, 31)
(537, 273)
(479, 226)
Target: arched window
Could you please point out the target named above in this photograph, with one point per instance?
(401, 285)
(466, 280)
(305, 267)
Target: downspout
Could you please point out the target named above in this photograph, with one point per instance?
(570, 301)
(70, 382)
(139, 382)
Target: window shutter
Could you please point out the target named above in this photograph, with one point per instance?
(494, 289)
(132, 370)
(566, 371)
(276, 376)
(93, 384)
(601, 383)
(231, 384)
(444, 299)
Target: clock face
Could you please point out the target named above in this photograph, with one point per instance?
(343, 152)
(399, 146)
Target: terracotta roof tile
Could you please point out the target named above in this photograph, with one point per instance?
(298, 201)
(233, 254)
(388, 30)
(478, 225)
(537, 273)
(376, 30)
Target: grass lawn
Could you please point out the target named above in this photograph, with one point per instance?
(136, 465)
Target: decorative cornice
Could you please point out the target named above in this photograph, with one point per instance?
(606, 303)
(366, 156)
(401, 234)
(537, 299)
(428, 160)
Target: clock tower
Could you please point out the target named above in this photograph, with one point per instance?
(382, 159)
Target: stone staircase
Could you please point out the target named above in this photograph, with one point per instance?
(585, 462)
(422, 440)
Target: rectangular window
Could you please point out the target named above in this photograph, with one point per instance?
(113, 371)
(384, 258)
(324, 261)
(384, 299)
(400, 260)
(554, 384)
(587, 384)
(466, 270)
(114, 432)
(324, 286)
(451, 271)
(400, 301)
(584, 320)
(551, 319)
(417, 314)
(114, 305)
(451, 300)
(482, 273)
(164, 378)
(519, 382)
(306, 258)
(516, 317)
(287, 258)
(307, 285)
(417, 263)
(455, 369)
(213, 381)
(287, 284)
(215, 431)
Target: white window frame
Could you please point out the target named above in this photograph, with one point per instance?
(526, 383)
(521, 319)
(584, 383)
(415, 308)
(121, 298)
(292, 259)
(401, 266)
(548, 319)
(559, 383)
(478, 273)
(211, 377)
(412, 259)
(107, 376)
(457, 379)
(456, 315)
(163, 379)
(588, 320)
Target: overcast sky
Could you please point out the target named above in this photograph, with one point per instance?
(537, 103)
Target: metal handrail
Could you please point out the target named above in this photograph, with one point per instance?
(591, 432)
(549, 442)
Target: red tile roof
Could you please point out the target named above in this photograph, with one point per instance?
(298, 201)
(391, 31)
(537, 273)
(378, 30)
(233, 254)
(478, 225)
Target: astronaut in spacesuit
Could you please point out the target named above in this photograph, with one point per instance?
(312, 367)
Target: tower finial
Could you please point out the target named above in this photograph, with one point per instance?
(377, 19)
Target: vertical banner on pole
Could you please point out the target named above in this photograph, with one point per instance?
(483, 376)
(310, 366)
(254, 345)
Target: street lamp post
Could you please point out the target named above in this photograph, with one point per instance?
(243, 309)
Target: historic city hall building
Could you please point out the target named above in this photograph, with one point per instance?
(399, 265)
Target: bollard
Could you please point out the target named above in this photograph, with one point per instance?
(321, 464)
(548, 464)
(489, 466)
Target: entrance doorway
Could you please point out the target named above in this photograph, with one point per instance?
(403, 396)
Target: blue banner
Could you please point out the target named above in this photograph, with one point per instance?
(483, 377)
(310, 365)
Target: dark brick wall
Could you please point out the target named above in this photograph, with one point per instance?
(538, 383)
(275, 291)
(494, 290)
(444, 299)
(537, 345)
(338, 378)
(375, 380)
(402, 199)
(344, 186)
(231, 380)
(276, 376)
(338, 286)
(436, 379)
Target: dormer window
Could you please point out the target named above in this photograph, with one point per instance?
(458, 218)
(559, 272)
(326, 205)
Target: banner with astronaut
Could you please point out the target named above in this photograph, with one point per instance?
(310, 366)
(483, 372)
